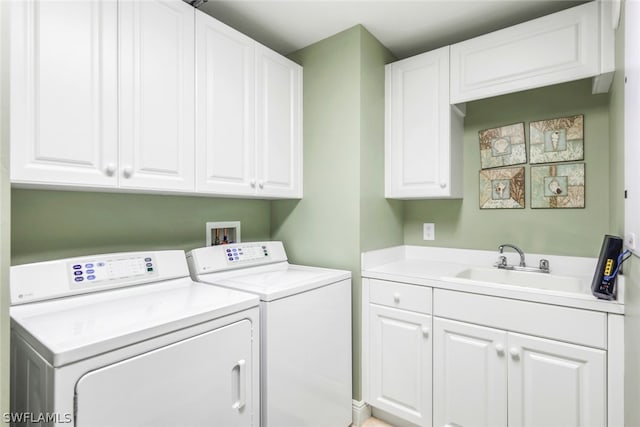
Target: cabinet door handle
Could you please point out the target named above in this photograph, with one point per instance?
(396, 297)
(110, 169)
(260, 184)
(127, 172)
(500, 349)
(515, 353)
(443, 185)
(425, 332)
(253, 183)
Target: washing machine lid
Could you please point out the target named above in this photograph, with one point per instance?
(70, 329)
(276, 281)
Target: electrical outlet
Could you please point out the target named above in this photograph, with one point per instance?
(630, 241)
(429, 231)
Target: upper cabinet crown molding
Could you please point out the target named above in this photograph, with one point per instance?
(573, 44)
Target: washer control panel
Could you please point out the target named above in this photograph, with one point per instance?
(249, 252)
(102, 271)
(212, 259)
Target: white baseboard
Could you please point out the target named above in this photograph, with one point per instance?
(361, 412)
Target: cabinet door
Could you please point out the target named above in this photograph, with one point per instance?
(555, 384)
(225, 129)
(157, 94)
(63, 59)
(418, 123)
(400, 363)
(279, 125)
(204, 380)
(557, 48)
(469, 375)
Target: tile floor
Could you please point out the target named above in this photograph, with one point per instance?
(374, 422)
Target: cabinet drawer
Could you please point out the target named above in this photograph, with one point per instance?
(400, 295)
(572, 325)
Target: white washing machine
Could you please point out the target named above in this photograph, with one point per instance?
(305, 315)
(128, 339)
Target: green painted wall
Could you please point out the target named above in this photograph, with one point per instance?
(380, 219)
(462, 224)
(343, 211)
(57, 224)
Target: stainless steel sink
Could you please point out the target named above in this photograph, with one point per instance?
(526, 279)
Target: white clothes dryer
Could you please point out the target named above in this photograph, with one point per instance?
(129, 339)
(305, 315)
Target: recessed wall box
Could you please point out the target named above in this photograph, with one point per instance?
(222, 233)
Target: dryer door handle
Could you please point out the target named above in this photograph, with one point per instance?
(239, 389)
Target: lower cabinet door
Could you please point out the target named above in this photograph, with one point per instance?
(400, 363)
(553, 383)
(469, 375)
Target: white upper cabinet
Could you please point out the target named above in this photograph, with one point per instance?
(279, 130)
(423, 132)
(103, 94)
(225, 127)
(569, 45)
(249, 109)
(149, 96)
(156, 61)
(64, 106)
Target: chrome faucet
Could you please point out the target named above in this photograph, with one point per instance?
(503, 260)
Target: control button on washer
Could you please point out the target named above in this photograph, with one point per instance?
(89, 265)
(91, 277)
(79, 279)
(77, 273)
(90, 271)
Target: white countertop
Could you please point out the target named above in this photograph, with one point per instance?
(437, 267)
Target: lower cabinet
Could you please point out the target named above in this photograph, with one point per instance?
(397, 349)
(400, 357)
(454, 359)
(489, 377)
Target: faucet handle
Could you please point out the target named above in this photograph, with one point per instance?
(544, 265)
(502, 262)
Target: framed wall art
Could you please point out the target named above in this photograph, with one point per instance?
(502, 188)
(558, 186)
(502, 146)
(556, 140)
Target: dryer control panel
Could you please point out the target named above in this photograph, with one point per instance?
(111, 269)
(70, 276)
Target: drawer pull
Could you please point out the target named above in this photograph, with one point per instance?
(425, 332)
(396, 297)
(500, 349)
